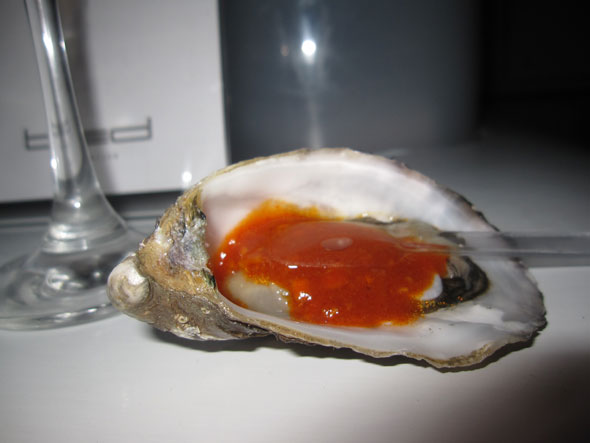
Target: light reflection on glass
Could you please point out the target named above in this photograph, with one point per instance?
(308, 47)
(48, 43)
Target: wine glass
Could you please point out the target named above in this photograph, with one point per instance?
(63, 282)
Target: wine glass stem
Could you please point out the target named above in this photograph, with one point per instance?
(81, 216)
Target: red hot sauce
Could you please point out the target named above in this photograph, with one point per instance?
(337, 272)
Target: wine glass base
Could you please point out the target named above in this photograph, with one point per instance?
(45, 290)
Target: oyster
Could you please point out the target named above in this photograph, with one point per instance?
(477, 307)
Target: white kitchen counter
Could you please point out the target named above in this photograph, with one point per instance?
(120, 380)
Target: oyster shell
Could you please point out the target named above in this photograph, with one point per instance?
(168, 284)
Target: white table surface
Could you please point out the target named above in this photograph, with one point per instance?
(120, 380)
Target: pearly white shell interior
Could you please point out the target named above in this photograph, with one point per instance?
(352, 183)
(355, 184)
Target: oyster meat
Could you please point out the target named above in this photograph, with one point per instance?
(466, 311)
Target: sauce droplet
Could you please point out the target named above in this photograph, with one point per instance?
(336, 243)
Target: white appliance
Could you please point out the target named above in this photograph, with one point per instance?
(148, 81)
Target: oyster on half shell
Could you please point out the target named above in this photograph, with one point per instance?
(168, 283)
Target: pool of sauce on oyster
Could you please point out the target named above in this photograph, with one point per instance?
(336, 272)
